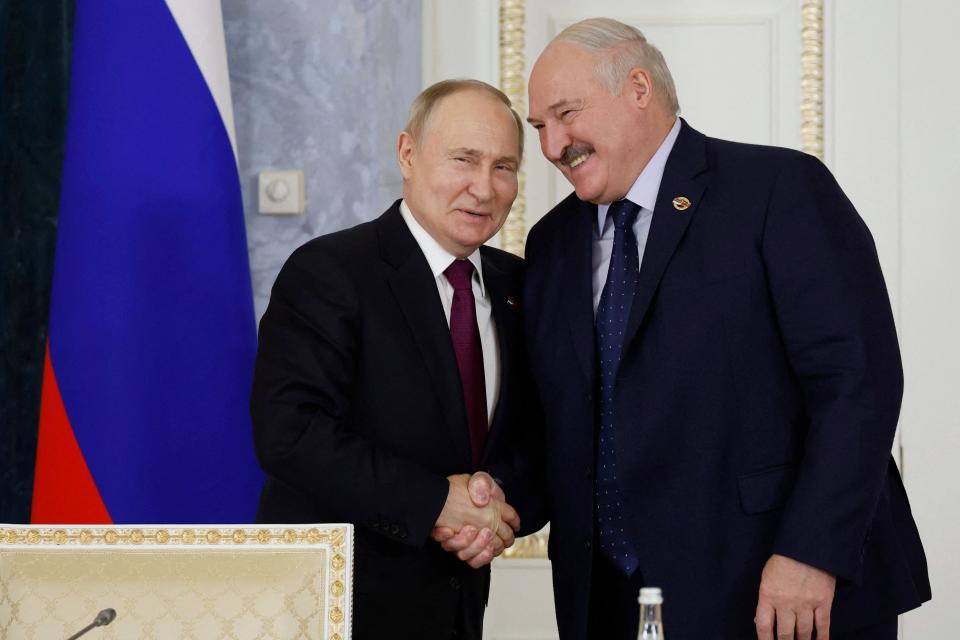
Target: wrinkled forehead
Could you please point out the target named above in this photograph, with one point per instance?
(473, 120)
(470, 113)
(563, 72)
(565, 59)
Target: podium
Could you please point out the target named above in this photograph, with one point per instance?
(177, 581)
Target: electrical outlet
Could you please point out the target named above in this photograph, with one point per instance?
(281, 192)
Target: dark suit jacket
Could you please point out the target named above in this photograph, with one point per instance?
(757, 397)
(359, 417)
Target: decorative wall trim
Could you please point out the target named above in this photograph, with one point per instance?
(532, 547)
(513, 82)
(811, 82)
(72, 535)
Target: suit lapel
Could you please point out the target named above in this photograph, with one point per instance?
(507, 323)
(577, 290)
(667, 228)
(415, 289)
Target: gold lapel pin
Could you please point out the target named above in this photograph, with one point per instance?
(512, 302)
(681, 203)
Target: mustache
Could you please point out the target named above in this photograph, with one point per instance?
(574, 151)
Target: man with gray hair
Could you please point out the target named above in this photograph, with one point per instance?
(712, 339)
(390, 375)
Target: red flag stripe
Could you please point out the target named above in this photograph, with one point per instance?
(64, 492)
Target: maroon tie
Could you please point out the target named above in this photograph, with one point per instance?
(466, 344)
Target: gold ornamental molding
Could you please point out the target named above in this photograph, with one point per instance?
(295, 577)
(532, 547)
(109, 536)
(513, 83)
(811, 82)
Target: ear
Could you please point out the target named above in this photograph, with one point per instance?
(640, 87)
(406, 150)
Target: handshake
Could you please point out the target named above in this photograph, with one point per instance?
(476, 522)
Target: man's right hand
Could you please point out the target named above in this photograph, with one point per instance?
(476, 523)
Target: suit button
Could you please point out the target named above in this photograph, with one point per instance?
(395, 530)
(588, 544)
(588, 472)
(455, 584)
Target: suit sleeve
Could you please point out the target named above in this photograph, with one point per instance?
(834, 314)
(304, 375)
(520, 469)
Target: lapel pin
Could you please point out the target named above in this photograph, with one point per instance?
(681, 203)
(512, 302)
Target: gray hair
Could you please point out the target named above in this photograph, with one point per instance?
(619, 48)
(425, 104)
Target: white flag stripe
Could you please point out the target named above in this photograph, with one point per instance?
(201, 23)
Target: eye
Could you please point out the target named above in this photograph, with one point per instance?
(566, 113)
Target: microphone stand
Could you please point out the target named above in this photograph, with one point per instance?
(103, 618)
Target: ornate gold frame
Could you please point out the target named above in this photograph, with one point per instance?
(513, 83)
(338, 539)
(811, 81)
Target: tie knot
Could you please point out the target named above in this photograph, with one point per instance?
(459, 274)
(624, 213)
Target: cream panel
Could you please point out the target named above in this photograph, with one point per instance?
(521, 606)
(459, 40)
(929, 171)
(862, 123)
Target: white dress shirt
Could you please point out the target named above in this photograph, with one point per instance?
(644, 193)
(439, 259)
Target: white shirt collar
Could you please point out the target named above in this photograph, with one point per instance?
(647, 185)
(437, 257)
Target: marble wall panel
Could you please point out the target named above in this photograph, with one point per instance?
(323, 86)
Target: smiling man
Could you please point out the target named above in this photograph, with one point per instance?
(712, 339)
(390, 368)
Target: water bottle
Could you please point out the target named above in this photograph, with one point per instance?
(651, 623)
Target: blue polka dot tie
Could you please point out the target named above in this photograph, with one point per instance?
(611, 322)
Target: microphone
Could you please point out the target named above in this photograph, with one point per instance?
(103, 618)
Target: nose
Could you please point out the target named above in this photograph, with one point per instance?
(481, 186)
(553, 140)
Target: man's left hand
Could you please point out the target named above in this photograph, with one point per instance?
(479, 547)
(795, 599)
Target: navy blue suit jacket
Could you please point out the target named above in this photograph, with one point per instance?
(757, 397)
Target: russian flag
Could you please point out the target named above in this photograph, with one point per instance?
(144, 413)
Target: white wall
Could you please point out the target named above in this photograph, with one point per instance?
(929, 174)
